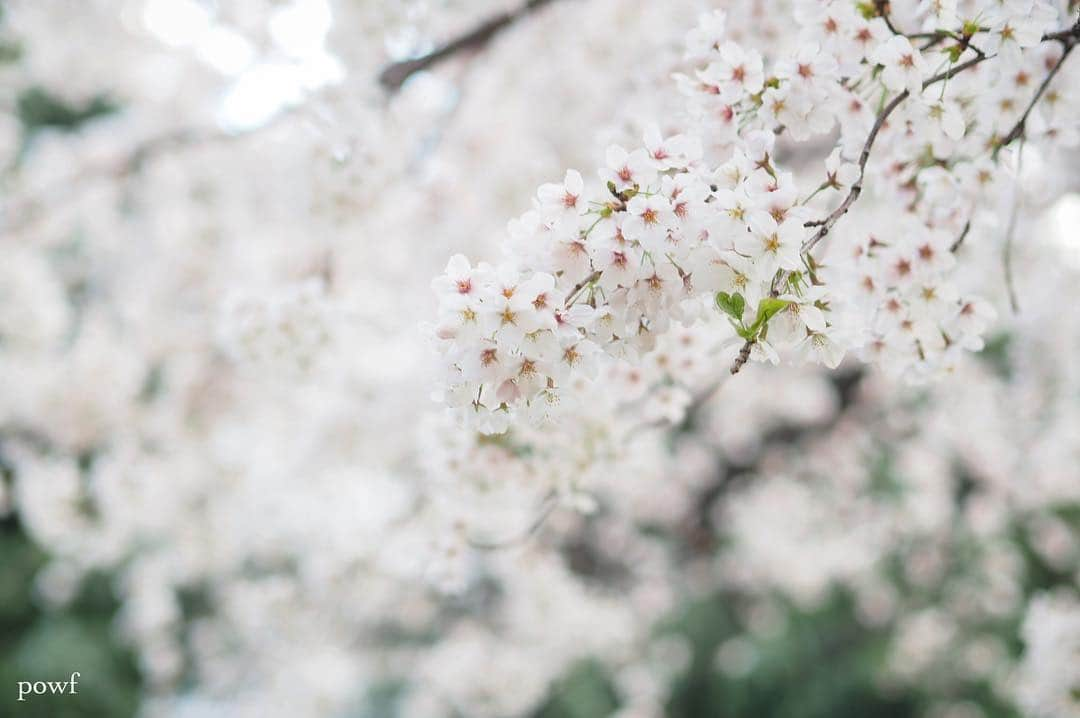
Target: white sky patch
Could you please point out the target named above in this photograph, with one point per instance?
(228, 52)
(1065, 216)
(263, 86)
(259, 94)
(179, 23)
(299, 29)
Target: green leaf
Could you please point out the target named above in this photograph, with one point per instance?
(769, 306)
(731, 304)
(767, 309)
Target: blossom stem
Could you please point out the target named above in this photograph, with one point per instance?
(577, 289)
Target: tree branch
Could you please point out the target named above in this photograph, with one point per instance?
(1021, 124)
(960, 240)
(846, 385)
(1069, 37)
(394, 75)
(826, 225)
(864, 156)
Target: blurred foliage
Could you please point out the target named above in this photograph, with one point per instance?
(584, 693)
(996, 354)
(38, 644)
(822, 663)
(38, 109)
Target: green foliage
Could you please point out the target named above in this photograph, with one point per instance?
(731, 304)
(39, 109)
(9, 52)
(734, 305)
(38, 644)
(585, 692)
(996, 354)
(822, 664)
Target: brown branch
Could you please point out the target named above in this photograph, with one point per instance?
(547, 507)
(743, 357)
(394, 75)
(882, 7)
(826, 225)
(864, 156)
(1068, 35)
(1021, 124)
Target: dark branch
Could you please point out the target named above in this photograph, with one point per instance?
(393, 76)
(1068, 36)
(856, 189)
(963, 235)
(1021, 124)
(846, 385)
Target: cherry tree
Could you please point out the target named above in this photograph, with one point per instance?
(790, 338)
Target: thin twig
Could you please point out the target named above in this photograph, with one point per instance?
(1021, 124)
(882, 8)
(933, 38)
(826, 225)
(546, 509)
(1069, 35)
(864, 156)
(1010, 233)
(743, 357)
(393, 76)
(960, 240)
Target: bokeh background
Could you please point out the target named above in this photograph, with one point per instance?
(218, 224)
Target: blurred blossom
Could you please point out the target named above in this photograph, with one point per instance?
(419, 400)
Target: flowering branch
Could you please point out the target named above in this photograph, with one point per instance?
(1070, 40)
(826, 225)
(864, 156)
(687, 234)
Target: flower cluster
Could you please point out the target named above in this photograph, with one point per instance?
(677, 225)
(901, 292)
(608, 272)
